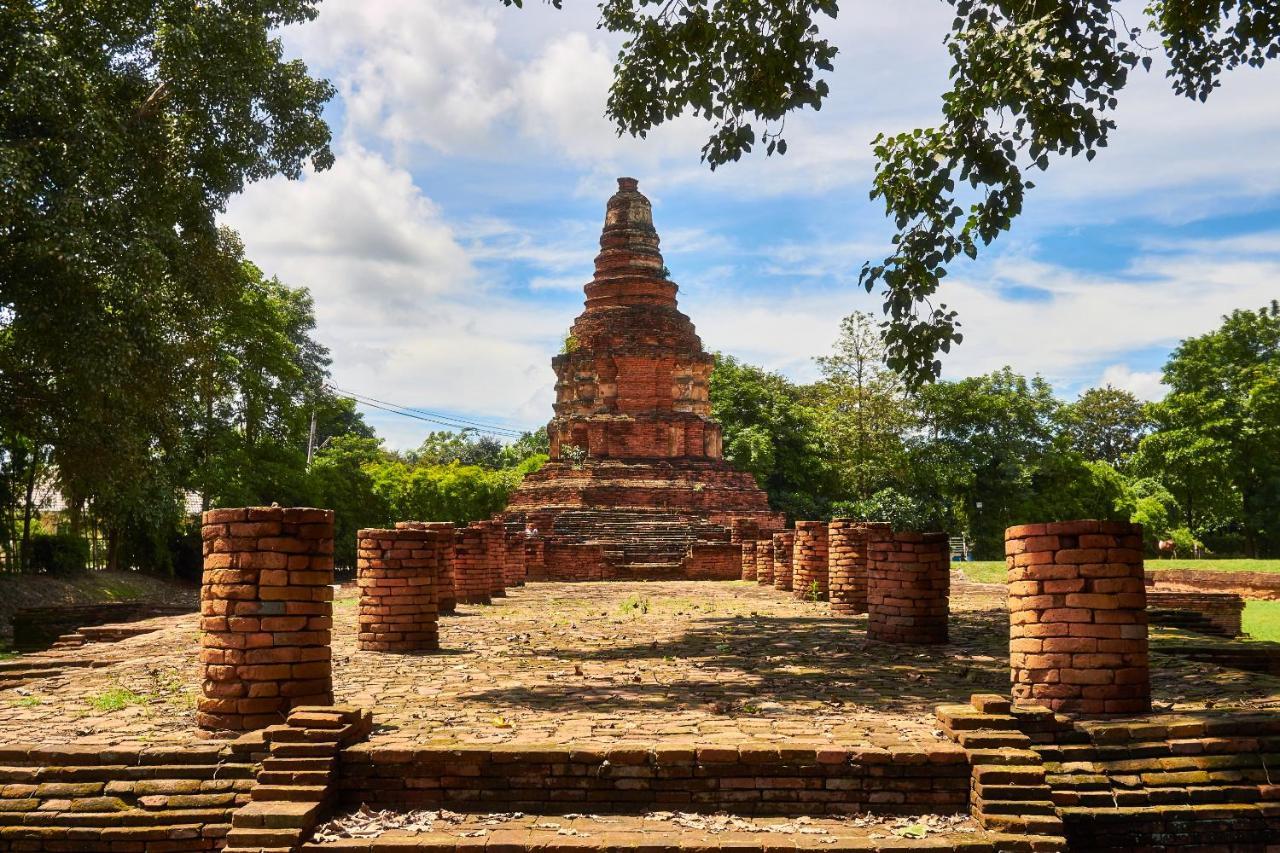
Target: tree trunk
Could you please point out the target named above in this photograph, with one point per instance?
(113, 548)
(24, 561)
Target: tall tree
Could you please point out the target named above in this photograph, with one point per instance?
(1106, 424)
(1218, 429)
(1031, 81)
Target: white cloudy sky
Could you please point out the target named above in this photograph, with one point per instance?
(447, 248)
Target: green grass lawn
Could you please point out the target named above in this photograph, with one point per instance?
(993, 571)
(1262, 620)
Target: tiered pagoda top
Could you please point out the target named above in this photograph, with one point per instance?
(632, 383)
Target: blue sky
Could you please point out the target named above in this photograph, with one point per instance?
(448, 247)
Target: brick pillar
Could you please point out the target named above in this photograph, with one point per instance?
(397, 572)
(470, 565)
(743, 530)
(749, 559)
(908, 582)
(809, 561)
(495, 547)
(847, 564)
(783, 543)
(446, 593)
(1077, 617)
(267, 611)
(764, 561)
(513, 568)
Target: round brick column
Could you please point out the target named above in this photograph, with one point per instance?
(495, 547)
(847, 564)
(764, 561)
(513, 565)
(266, 607)
(397, 571)
(742, 530)
(749, 559)
(908, 583)
(809, 561)
(783, 543)
(470, 565)
(1077, 617)
(446, 594)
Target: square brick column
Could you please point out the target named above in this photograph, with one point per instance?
(749, 559)
(266, 605)
(495, 549)
(743, 530)
(783, 543)
(446, 592)
(471, 565)
(1077, 617)
(764, 561)
(397, 572)
(513, 568)
(809, 562)
(847, 563)
(908, 585)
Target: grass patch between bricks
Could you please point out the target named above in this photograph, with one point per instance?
(115, 699)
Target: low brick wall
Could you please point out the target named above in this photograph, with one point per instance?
(123, 798)
(743, 530)
(1077, 617)
(908, 587)
(570, 561)
(749, 560)
(764, 561)
(809, 561)
(267, 615)
(396, 571)
(1206, 612)
(446, 592)
(1260, 586)
(784, 542)
(713, 561)
(749, 779)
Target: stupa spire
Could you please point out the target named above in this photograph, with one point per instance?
(629, 268)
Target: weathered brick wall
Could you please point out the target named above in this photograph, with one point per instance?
(1207, 612)
(267, 614)
(908, 584)
(153, 799)
(713, 561)
(535, 559)
(1263, 586)
(847, 563)
(747, 779)
(575, 562)
(446, 593)
(783, 544)
(764, 561)
(749, 560)
(743, 530)
(471, 565)
(397, 571)
(809, 580)
(1077, 617)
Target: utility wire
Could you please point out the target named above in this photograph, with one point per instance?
(428, 417)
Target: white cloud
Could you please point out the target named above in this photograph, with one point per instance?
(1144, 384)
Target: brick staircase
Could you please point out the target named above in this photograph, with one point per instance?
(1209, 780)
(636, 544)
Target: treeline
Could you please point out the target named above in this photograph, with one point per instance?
(1200, 467)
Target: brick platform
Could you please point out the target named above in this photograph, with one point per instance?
(908, 585)
(764, 561)
(809, 561)
(749, 560)
(446, 597)
(783, 544)
(397, 572)
(1077, 617)
(471, 565)
(847, 563)
(1203, 612)
(267, 610)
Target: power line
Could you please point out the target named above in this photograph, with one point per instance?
(427, 416)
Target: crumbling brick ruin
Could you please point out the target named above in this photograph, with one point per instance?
(446, 598)
(809, 561)
(847, 563)
(397, 572)
(637, 474)
(1077, 617)
(908, 587)
(783, 544)
(266, 609)
(471, 565)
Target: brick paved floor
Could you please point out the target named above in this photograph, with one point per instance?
(554, 663)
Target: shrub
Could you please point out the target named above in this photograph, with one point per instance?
(58, 554)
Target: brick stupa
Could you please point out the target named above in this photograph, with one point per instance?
(636, 471)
